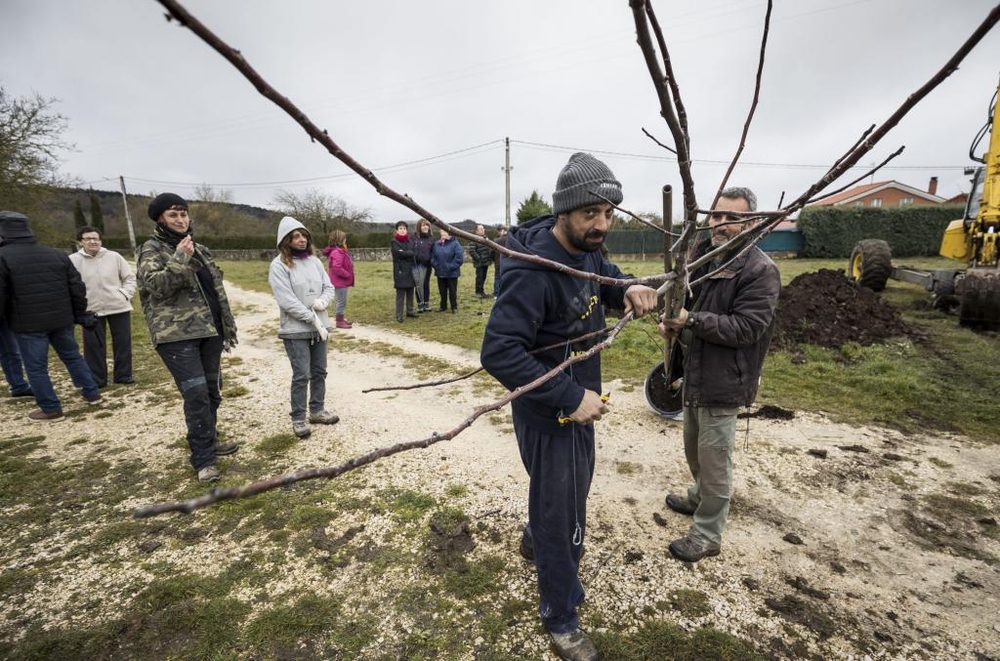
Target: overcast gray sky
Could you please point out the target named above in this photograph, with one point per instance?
(438, 84)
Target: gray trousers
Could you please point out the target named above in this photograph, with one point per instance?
(709, 438)
(308, 358)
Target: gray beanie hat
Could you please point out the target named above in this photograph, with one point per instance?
(584, 174)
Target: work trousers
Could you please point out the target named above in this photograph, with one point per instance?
(95, 348)
(308, 358)
(481, 278)
(195, 366)
(709, 439)
(560, 468)
(448, 290)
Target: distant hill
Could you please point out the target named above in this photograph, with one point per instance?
(211, 218)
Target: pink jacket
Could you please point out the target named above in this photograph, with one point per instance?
(341, 268)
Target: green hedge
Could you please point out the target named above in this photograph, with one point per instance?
(912, 231)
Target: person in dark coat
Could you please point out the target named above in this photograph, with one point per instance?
(41, 297)
(423, 246)
(541, 307)
(501, 240)
(725, 333)
(482, 257)
(403, 261)
(447, 257)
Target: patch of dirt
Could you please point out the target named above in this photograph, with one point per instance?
(828, 309)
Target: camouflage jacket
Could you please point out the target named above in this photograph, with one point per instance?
(172, 300)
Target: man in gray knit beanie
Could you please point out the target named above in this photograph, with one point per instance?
(554, 422)
(583, 176)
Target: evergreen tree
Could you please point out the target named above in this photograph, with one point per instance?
(532, 206)
(96, 216)
(78, 217)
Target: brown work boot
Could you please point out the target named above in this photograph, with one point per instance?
(574, 646)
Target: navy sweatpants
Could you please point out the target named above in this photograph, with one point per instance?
(560, 468)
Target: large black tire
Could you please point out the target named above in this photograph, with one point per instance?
(871, 264)
(979, 292)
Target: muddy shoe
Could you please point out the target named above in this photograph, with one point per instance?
(689, 550)
(301, 428)
(222, 449)
(680, 504)
(209, 474)
(574, 646)
(324, 417)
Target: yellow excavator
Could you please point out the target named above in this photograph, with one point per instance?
(974, 292)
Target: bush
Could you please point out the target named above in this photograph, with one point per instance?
(912, 231)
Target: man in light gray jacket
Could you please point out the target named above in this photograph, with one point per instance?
(110, 285)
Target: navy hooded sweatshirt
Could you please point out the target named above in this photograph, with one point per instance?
(537, 307)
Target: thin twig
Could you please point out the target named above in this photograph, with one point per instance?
(653, 138)
(864, 176)
(675, 91)
(629, 213)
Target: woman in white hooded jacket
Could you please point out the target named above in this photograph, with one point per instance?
(303, 291)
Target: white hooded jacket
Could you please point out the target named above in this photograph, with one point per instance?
(297, 288)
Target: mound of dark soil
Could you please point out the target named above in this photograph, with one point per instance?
(828, 309)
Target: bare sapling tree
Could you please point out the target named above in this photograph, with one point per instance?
(675, 283)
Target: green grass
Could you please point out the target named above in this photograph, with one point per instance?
(939, 385)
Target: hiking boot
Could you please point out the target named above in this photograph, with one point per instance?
(689, 550)
(324, 417)
(301, 428)
(574, 646)
(38, 415)
(680, 504)
(222, 449)
(209, 474)
(92, 399)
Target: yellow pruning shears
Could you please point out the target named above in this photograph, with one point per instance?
(564, 419)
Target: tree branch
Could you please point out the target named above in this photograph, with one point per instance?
(254, 488)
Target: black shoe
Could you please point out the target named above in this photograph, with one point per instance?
(454, 310)
(22, 393)
(412, 314)
(399, 318)
(689, 550)
(222, 449)
(680, 504)
(442, 309)
(126, 382)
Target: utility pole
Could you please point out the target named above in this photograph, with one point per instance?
(506, 170)
(128, 216)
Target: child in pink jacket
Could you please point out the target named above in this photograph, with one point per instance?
(341, 270)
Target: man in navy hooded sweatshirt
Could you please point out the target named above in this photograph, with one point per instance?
(538, 307)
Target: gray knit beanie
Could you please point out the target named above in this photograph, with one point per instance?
(584, 174)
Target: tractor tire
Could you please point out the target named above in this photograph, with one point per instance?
(871, 264)
(979, 292)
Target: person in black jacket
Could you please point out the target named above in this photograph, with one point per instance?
(725, 335)
(482, 257)
(41, 298)
(403, 261)
(553, 423)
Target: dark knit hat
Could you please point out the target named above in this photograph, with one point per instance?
(14, 225)
(584, 174)
(164, 201)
